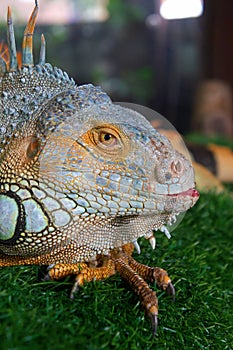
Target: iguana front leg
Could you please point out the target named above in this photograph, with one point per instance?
(84, 272)
(134, 273)
(89, 274)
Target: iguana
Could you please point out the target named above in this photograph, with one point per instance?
(81, 178)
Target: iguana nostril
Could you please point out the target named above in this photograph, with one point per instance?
(177, 167)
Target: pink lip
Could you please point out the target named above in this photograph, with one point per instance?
(191, 192)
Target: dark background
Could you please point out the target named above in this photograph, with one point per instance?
(136, 56)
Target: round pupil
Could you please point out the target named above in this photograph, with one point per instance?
(107, 137)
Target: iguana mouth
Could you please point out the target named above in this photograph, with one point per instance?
(192, 192)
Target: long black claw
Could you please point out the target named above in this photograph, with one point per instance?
(74, 289)
(154, 324)
(46, 278)
(171, 291)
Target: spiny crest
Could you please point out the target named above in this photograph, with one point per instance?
(25, 88)
(27, 46)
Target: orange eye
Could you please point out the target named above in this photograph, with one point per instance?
(107, 140)
(33, 147)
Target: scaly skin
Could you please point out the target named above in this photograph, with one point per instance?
(82, 178)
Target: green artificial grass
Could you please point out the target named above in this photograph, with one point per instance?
(107, 315)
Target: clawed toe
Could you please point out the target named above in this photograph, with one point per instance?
(78, 281)
(171, 291)
(134, 273)
(154, 324)
(46, 278)
(73, 291)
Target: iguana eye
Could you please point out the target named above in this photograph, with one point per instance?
(107, 139)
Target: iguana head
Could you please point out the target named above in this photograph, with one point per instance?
(75, 167)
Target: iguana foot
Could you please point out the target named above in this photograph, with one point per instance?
(58, 271)
(147, 297)
(89, 274)
(84, 273)
(134, 273)
(154, 274)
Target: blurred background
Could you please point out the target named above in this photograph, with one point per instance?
(178, 63)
